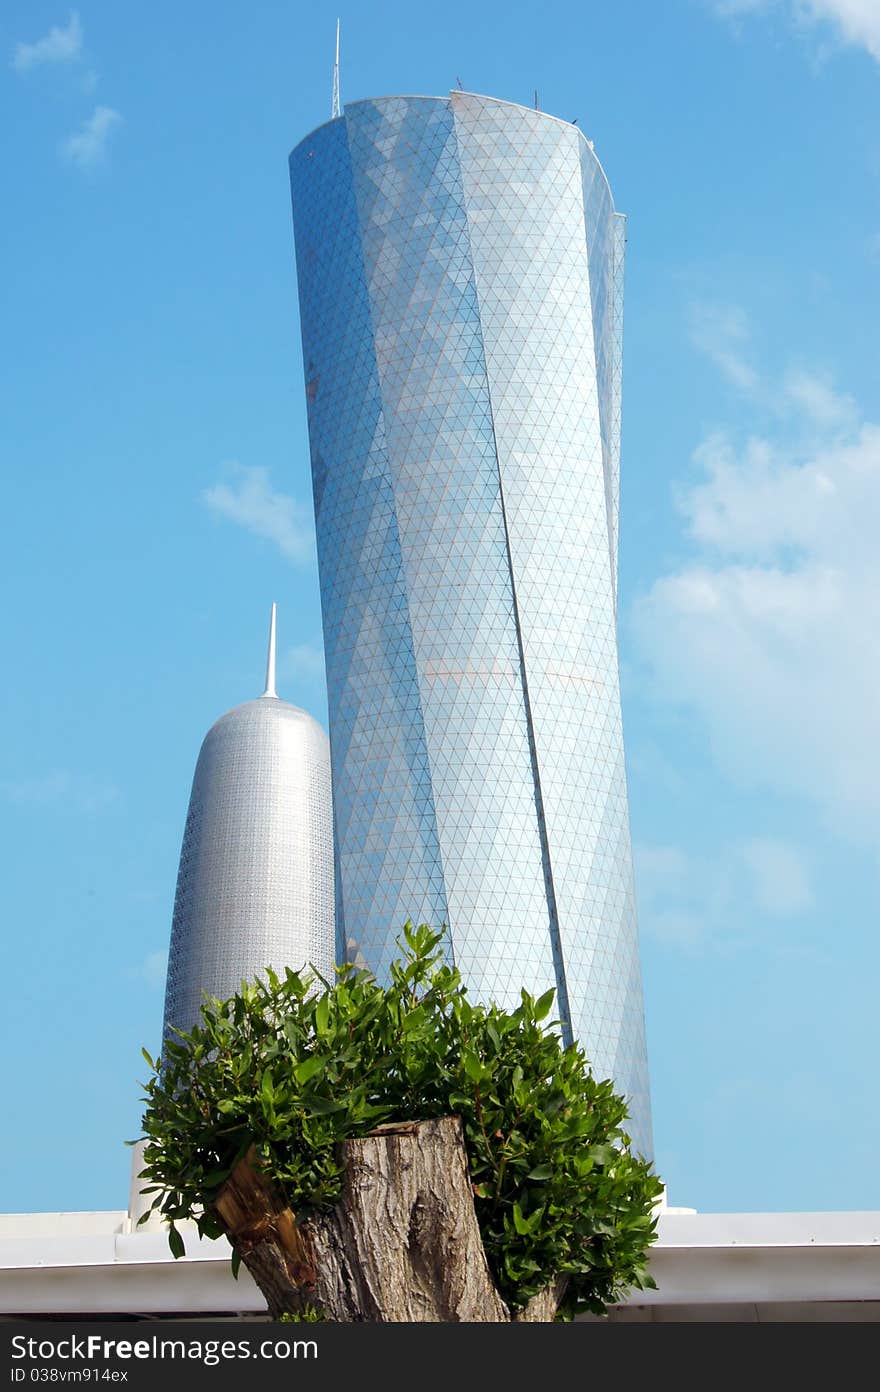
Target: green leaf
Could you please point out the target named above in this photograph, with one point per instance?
(414, 1020)
(541, 1172)
(215, 1177)
(308, 1068)
(322, 1106)
(602, 1154)
(175, 1242)
(544, 1003)
(519, 1221)
(322, 1014)
(472, 1066)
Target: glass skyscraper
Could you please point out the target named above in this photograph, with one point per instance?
(460, 278)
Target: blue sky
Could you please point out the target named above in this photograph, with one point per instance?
(157, 499)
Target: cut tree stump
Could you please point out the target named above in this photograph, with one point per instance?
(402, 1243)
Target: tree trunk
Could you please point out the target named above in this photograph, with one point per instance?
(402, 1243)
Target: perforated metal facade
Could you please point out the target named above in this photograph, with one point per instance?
(460, 278)
(255, 885)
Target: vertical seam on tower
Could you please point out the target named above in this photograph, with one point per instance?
(603, 415)
(549, 887)
(546, 866)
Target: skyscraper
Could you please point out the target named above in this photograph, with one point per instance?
(255, 885)
(460, 279)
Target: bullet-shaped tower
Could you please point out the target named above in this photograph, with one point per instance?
(255, 885)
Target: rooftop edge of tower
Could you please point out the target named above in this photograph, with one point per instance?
(454, 93)
(262, 711)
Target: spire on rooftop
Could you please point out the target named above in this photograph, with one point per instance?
(334, 105)
(270, 660)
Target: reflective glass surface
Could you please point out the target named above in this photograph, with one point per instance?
(460, 273)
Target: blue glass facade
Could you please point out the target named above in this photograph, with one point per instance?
(460, 277)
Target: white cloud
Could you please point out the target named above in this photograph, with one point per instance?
(818, 402)
(88, 146)
(781, 881)
(769, 634)
(304, 660)
(689, 901)
(62, 789)
(660, 866)
(154, 968)
(674, 928)
(251, 502)
(669, 908)
(722, 333)
(58, 46)
(762, 501)
(855, 22)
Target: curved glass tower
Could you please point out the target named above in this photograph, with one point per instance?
(460, 278)
(255, 885)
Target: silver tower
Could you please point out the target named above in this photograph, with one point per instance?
(255, 886)
(460, 268)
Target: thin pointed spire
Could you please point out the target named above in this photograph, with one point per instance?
(270, 661)
(334, 106)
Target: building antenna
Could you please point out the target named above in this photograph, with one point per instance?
(537, 108)
(270, 660)
(334, 106)
(458, 80)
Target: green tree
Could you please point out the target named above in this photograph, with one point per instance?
(285, 1076)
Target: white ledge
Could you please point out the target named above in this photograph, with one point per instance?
(741, 1266)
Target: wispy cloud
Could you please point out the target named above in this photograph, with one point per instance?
(63, 790)
(304, 660)
(152, 970)
(670, 909)
(780, 877)
(60, 45)
(853, 22)
(154, 967)
(721, 332)
(814, 395)
(250, 501)
(88, 146)
(689, 901)
(768, 633)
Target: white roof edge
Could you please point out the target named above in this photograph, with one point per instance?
(738, 1262)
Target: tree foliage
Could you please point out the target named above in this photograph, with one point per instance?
(295, 1065)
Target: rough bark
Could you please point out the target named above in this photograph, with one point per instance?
(402, 1244)
(544, 1305)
